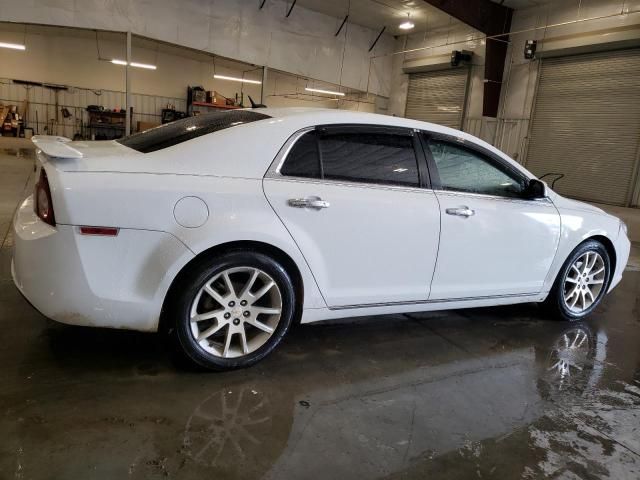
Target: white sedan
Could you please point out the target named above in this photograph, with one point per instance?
(225, 229)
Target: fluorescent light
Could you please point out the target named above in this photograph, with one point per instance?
(14, 46)
(143, 65)
(134, 64)
(406, 25)
(400, 170)
(237, 79)
(328, 92)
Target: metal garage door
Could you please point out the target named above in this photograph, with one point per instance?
(438, 97)
(586, 124)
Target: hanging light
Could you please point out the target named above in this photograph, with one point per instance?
(408, 25)
(237, 79)
(327, 92)
(13, 46)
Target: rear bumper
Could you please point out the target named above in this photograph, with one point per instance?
(116, 282)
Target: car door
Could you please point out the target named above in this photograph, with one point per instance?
(352, 198)
(494, 240)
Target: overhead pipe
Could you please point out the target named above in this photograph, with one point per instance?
(516, 32)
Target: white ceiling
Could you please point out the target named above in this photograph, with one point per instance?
(378, 13)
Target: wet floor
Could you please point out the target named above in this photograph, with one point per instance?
(485, 393)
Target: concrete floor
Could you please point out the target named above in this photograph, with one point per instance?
(465, 394)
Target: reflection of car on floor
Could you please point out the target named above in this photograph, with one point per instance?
(386, 425)
(226, 228)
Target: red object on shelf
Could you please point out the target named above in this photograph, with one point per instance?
(214, 105)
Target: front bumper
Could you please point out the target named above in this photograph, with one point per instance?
(623, 249)
(116, 282)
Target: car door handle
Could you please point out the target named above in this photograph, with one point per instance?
(461, 211)
(310, 202)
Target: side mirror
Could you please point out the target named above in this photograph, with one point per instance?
(535, 189)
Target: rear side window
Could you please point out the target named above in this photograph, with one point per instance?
(303, 159)
(367, 157)
(188, 128)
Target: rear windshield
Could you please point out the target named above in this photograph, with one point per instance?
(187, 128)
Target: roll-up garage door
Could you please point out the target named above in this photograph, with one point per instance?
(438, 97)
(586, 124)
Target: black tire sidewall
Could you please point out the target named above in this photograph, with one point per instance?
(558, 289)
(193, 282)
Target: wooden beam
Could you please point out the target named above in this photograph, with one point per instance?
(484, 15)
(491, 19)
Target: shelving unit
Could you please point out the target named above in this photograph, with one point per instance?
(215, 105)
(191, 103)
(106, 125)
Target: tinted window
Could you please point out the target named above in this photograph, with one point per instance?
(187, 128)
(303, 159)
(369, 157)
(467, 171)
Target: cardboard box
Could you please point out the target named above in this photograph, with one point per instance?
(142, 126)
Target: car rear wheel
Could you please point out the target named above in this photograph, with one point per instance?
(233, 310)
(582, 282)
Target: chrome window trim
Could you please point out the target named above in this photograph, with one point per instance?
(281, 156)
(457, 193)
(340, 183)
(273, 172)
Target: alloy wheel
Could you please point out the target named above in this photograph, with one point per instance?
(584, 282)
(235, 312)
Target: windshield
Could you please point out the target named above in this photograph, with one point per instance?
(187, 128)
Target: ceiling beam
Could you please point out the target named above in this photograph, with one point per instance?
(491, 19)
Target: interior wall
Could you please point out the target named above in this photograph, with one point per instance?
(303, 44)
(80, 59)
(617, 24)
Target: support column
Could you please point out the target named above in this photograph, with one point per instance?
(127, 88)
(264, 84)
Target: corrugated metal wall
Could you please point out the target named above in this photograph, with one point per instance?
(42, 105)
(586, 124)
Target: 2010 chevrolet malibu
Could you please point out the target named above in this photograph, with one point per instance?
(225, 229)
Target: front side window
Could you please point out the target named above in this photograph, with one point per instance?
(464, 170)
(364, 157)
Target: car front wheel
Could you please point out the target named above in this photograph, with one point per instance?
(582, 282)
(233, 310)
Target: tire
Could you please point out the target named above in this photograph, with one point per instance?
(211, 299)
(572, 269)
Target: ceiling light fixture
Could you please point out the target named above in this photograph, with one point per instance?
(408, 25)
(328, 92)
(13, 46)
(115, 61)
(237, 79)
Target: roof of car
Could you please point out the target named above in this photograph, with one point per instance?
(331, 115)
(302, 116)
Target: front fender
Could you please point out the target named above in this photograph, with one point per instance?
(576, 226)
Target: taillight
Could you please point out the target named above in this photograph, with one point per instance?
(42, 203)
